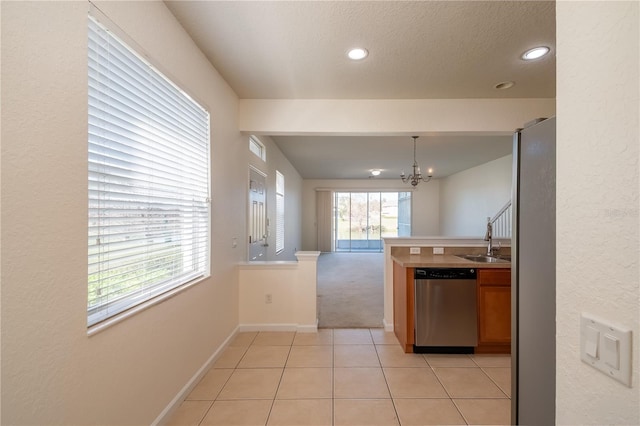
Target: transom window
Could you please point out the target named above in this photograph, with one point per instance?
(257, 148)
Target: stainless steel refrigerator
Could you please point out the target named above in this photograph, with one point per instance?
(533, 272)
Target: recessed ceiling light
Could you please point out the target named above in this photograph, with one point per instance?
(535, 53)
(504, 85)
(358, 53)
(375, 172)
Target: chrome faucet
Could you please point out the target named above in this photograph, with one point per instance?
(488, 237)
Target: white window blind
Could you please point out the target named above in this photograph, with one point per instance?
(148, 180)
(279, 211)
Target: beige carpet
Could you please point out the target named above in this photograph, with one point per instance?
(350, 290)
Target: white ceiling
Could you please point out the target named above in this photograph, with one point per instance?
(418, 50)
(351, 156)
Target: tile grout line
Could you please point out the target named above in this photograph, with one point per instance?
(386, 382)
(226, 381)
(204, 416)
(485, 373)
(447, 391)
(333, 378)
(460, 411)
(494, 382)
(275, 395)
(245, 351)
(490, 378)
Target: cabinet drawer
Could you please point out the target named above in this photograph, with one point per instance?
(494, 276)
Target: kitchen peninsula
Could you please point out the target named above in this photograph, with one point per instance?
(493, 286)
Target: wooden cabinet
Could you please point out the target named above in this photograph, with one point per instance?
(494, 311)
(403, 306)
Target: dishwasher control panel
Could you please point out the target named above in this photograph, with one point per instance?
(445, 274)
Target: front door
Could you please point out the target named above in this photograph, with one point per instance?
(257, 216)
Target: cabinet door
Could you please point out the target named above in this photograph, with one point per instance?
(403, 298)
(494, 311)
(494, 314)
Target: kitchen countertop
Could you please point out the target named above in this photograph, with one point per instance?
(427, 260)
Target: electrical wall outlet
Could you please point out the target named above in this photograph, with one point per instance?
(438, 250)
(267, 298)
(414, 250)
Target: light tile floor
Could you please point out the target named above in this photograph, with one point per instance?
(346, 377)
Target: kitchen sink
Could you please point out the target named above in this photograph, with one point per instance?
(483, 258)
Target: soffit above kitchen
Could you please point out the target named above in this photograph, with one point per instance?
(417, 50)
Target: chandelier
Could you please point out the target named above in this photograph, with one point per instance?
(416, 177)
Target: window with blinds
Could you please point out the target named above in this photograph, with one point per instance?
(148, 156)
(279, 212)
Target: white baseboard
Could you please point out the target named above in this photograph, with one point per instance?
(311, 328)
(308, 328)
(164, 416)
(387, 326)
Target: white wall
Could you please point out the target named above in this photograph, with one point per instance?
(424, 208)
(598, 251)
(291, 287)
(388, 116)
(467, 198)
(52, 372)
(425, 212)
(275, 160)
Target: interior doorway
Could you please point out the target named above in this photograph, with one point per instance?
(350, 290)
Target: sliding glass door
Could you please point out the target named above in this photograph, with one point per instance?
(404, 214)
(363, 219)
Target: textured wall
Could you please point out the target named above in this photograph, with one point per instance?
(52, 372)
(597, 200)
(469, 197)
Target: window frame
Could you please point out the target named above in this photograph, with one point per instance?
(343, 203)
(256, 145)
(104, 314)
(280, 212)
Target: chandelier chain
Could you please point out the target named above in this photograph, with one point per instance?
(416, 177)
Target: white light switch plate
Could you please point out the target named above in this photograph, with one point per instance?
(606, 346)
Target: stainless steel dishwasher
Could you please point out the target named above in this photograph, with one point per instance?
(446, 318)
